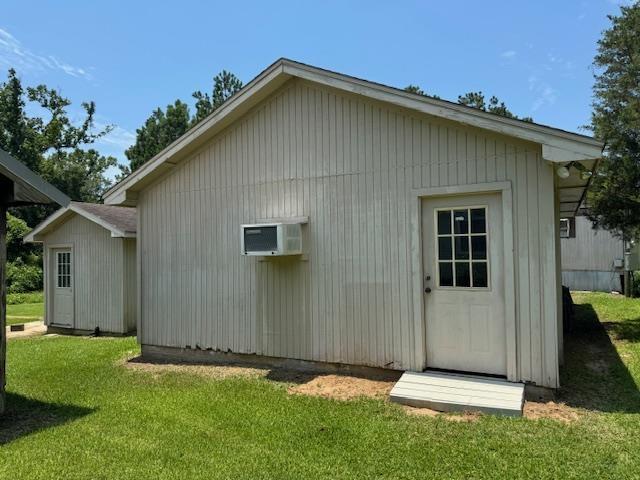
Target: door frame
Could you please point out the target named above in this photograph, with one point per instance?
(504, 188)
(48, 283)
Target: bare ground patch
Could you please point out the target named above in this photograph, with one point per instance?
(550, 410)
(208, 371)
(343, 387)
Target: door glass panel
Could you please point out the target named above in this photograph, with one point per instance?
(460, 221)
(444, 222)
(480, 274)
(444, 248)
(446, 274)
(462, 248)
(479, 247)
(465, 244)
(478, 220)
(463, 276)
(63, 277)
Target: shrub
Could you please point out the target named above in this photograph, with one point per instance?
(23, 278)
(635, 284)
(29, 297)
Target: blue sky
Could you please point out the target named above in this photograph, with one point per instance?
(133, 56)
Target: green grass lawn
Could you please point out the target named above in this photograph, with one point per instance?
(24, 312)
(76, 413)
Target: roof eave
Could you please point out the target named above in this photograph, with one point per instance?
(558, 145)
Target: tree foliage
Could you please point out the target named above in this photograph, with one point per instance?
(50, 144)
(158, 131)
(476, 100)
(225, 85)
(614, 197)
(165, 126)
(494, 105)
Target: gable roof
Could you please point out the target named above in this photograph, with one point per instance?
(28, 188)
(557, 145)
(120, 221)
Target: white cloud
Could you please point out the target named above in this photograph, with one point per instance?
(14, 54)
(508, 54)
(545, 94)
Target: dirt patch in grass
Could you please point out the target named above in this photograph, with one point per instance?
(550, 410)
(343, 387)
(208, 371)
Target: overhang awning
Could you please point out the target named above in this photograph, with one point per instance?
(572, 190)
(20, 186)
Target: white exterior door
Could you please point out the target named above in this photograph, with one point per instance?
(62, 284)
(463, 254)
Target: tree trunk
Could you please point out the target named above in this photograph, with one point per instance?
(3, 304)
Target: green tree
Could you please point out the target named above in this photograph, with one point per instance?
(50, 144)
(494, 105)
(165, 126)
(475, 100)
(158, 131)
(225, 85)
(614, 196)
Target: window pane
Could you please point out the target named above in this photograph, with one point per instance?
(462, 248)
(479, 274)
(446, 274)
(444, 222)
(460, 221)
(478, 220)
(479, 247)
(463, 278)
(444, 248)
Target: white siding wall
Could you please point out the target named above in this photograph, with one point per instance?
(350, 165)
(98, 273)
(130, 284)
(590, 249)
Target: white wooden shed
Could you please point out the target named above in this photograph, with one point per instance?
(428, 230)
(89, 268)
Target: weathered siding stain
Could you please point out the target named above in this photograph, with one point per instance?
(350, 165)
(98, 270)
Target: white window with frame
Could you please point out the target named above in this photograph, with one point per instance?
(462, 260)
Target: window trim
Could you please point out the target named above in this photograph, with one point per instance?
(468, 235)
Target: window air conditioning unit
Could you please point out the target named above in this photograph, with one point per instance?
(272, 239)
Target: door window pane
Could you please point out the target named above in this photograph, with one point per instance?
(462, 248)
(479, 247)
(480, 279)
(444, 222)
(446, 274)
(444, 248)
(478, 220)
(460, 221)
(463, 276)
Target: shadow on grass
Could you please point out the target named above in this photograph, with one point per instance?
(25, 416)
(594, 376)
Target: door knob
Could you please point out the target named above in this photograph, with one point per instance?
(427, 290)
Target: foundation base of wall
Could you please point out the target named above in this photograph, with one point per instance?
(81, 332)
(535, 393)
(158, 354)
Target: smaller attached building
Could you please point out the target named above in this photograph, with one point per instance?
(89, 268)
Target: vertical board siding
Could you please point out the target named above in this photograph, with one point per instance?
(98, 268)
(129, 284)
(350, 165)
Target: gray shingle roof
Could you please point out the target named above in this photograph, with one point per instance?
(122, 218)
